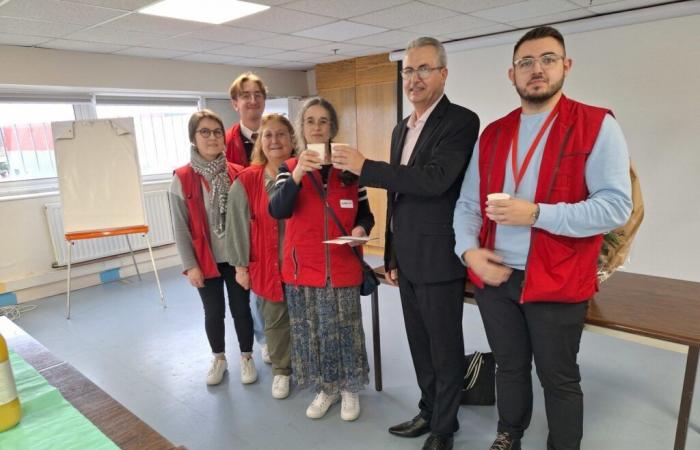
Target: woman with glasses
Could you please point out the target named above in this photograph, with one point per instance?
(198, 196)
(322, 281)
(254, 240)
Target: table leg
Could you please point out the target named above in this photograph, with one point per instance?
(691, 368)
(376, 341)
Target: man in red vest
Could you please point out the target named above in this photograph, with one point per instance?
(561, 172)
(248, 94)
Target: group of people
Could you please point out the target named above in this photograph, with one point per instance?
(560, 170)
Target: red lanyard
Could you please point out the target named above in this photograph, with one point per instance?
(518, 176)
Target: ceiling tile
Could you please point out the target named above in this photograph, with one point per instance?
(405, 15)
(393, 38)
(36, 27)
(523, 10)
(125, 5)
(254, 62)
(341, 48)
(467, 6)
(206, 58)
(81, 46)
(23, 40)
(153, 24)
(621, 5)
(551, 18)
(185, 43)
(452, 24)
(317, 59)
(151, 52)
(286, 42)
(230, 35)
(108, 35)
(55, 11)
(342, 9)
(587, 3)
(281, 21)
(271, 2)
(340, 31)
(498, 28)
(294, 66)
(248, 51)
(293, 56)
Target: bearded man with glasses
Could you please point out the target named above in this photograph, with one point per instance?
(561, 169)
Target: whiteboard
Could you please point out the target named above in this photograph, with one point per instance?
(648, 75)
(99, 176)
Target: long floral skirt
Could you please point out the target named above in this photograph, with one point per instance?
(328, 341)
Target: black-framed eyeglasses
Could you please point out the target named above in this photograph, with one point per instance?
(423, 72)
(206, 132)
(547, 61)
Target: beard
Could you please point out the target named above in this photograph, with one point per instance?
(540, 96)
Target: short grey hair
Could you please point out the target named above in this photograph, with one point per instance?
(426, 41)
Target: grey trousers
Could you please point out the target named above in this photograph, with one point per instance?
(277, 335)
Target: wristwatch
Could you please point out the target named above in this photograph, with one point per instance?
(536, 214)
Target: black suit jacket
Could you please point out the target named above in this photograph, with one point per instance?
(421, 196)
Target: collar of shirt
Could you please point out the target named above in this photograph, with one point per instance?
(245, 131)
(418, 122)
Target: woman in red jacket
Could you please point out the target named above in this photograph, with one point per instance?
(198, 194)
(254, 240)
(322, 281)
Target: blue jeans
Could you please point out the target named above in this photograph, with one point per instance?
(258, 321)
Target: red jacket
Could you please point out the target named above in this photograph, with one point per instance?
(307, 261)
(263, 265)
(199, 225)
(558, 268)
(235, 150)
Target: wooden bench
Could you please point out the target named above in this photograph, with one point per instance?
(660, 312)
(118, 423)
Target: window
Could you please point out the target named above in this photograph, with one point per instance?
(26, 142)
(161, 133)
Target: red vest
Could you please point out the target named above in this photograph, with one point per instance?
(263, 265)
(235, 150)
(199, 225)
(306, 259)
(558, 268)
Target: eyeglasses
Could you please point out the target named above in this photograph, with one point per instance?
(546, 61)
(248, 96)
(423, 72)
(206, 132)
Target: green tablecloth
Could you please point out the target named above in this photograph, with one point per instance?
(48, 420)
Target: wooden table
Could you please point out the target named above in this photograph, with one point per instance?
(125, 429)
(661, 312)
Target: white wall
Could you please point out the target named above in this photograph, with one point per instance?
(648, 75)
(26, 254)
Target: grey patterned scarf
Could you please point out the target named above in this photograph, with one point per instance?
(216, 174)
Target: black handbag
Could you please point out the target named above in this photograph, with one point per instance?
(479, 380)
(369, 279)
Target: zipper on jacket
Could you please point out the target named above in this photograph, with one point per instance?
(296, 263)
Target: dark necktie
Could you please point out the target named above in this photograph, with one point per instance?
(254, 137)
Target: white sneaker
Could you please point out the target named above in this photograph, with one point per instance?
(265, 352)
(280, 386)
(350, 406)
(320, 405)
(248, 372)
(216, 371)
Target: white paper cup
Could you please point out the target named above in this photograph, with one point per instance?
(498, 196)
(320, 149)
(335, 145)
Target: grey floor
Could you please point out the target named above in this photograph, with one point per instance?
(154, 361)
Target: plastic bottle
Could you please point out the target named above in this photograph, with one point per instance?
(10, 410)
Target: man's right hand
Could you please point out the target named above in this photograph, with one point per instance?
(196, 277)
(487, 266)
(392, 277)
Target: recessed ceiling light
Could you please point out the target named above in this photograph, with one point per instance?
(207, 11)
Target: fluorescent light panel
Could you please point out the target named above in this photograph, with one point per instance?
(207, 11)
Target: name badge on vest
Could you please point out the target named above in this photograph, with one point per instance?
(346, 204)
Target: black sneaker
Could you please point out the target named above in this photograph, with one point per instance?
(504, 441)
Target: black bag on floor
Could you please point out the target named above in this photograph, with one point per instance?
(479, 379)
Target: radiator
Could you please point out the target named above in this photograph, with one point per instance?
(159, 225)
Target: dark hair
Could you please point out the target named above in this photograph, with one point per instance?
(540, 33)
(258, 156)
(198, 117)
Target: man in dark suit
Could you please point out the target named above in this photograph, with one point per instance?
(430, 150)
